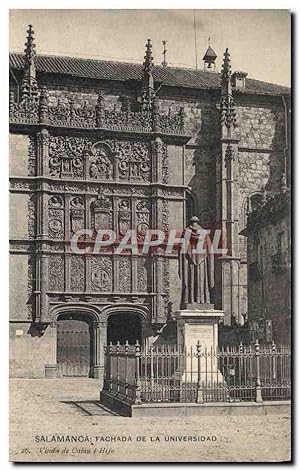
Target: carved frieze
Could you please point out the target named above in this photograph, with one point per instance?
(125, 274)
(66, 113)
(31, 216)
(32, 156)
(143, 273)
(172, 123)
(165, 216)
(77, 273)
(56, 273)
(133, 160)
(24, 112)
(66, 156)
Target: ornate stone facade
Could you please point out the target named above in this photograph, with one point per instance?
(92, 154)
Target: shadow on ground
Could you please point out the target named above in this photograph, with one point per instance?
(90, 408)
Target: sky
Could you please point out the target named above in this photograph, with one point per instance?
(259, 41)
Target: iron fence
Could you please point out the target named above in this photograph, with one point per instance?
(167, 374)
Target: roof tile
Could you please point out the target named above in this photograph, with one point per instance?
(109, 70)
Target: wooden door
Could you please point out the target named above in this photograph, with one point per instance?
(73, 348)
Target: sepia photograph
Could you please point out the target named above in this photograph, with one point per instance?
(150, 312)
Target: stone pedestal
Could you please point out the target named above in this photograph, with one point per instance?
(51, 371)
(97, 372)
(198, 326)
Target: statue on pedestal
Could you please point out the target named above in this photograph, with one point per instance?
(196, 267)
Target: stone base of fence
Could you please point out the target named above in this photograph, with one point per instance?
(117, 404)
(197, 410)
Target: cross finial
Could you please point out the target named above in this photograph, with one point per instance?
(226, 67)
(164, 63)
(29, 45)
(148, 81)
(148, 63)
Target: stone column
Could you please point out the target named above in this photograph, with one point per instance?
(96, 349)
(51, 368)
(100, 340)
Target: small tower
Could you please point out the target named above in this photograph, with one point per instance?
(148, 81)
(209, 59)
(29, 88)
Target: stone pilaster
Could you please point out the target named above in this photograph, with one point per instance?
(227, 194)
(51, 368)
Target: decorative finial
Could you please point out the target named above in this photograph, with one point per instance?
(228, 112)
(29, 88)
(164, 62)
(226, 67)
(148, 63)
(29, 46)
(148, 81)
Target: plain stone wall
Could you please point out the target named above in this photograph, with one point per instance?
(18, 154)
(29, 353)
(273, 288)
(19, 287)
(18, 216)
(260, 125)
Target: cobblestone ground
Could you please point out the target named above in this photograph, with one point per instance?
(40, 409)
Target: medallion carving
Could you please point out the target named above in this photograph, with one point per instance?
(124, 216)
(143, 216)
(101, 274)
(76, 214)
(56, 217)
(66, 156)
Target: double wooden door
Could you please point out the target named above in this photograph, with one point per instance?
(74, 347)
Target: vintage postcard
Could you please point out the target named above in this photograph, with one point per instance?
(150, 235)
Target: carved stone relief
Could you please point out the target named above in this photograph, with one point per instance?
(125, 274)
(56, 273)
(76, 214)
(66, 156)
(101, 162)
(101, 212)
(77, 273)
(143, 272)
(143, 217)
(101, 274)
(124, 216)
(56, 217)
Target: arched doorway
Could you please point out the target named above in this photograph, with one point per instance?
(124, 326)
(74, 345)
